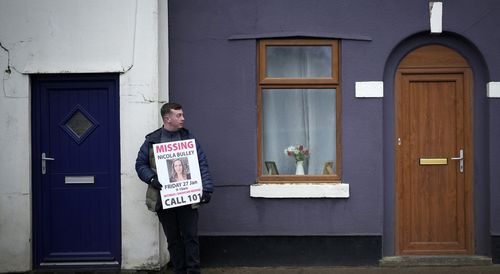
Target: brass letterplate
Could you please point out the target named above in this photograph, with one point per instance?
(433, 161)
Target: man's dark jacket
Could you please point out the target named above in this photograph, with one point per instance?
(144, 164)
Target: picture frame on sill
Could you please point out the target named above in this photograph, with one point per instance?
(271, 168)
(328, 168)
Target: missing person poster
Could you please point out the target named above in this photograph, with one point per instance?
(179, 173)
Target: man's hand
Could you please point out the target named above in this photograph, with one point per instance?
(205, 197)
(155, 183)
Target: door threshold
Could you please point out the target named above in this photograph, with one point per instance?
(453, 260)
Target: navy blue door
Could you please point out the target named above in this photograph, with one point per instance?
(76, 170)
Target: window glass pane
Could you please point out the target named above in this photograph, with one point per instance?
(299, 61)
(79, 124)
(299, 116)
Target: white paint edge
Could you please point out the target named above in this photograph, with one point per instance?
(369, 89)
(325, 190)
(493, 90)
(436, 16)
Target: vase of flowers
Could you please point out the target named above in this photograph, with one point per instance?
(299, 168)
(299, 153)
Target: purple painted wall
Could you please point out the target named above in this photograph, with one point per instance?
(213, 74)
(494, 124)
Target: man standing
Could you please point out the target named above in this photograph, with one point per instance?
(180, 224)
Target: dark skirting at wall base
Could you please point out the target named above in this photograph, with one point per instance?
(290, 250)
(495, 249)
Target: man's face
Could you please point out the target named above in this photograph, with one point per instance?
(174, 120)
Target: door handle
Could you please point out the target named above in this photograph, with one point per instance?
(460, 158)
(44, 162)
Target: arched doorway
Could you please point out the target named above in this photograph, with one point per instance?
(433, 164)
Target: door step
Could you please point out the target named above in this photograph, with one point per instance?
(403, 261)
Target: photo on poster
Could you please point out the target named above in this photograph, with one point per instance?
(178, 169)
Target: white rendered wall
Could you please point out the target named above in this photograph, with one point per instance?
(73, 36)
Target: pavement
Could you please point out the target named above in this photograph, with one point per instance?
(485, 269)
(387, 265)
(490, 269)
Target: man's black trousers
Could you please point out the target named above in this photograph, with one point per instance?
(180, 225)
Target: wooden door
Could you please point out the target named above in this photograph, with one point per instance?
(76, 170)
(433, 128)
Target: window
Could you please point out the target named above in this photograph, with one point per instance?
(299, 105)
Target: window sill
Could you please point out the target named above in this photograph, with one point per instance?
(312, 190)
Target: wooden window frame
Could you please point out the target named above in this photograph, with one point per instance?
(309, 83)
(333, 79)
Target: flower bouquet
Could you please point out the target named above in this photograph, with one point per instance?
(299, 152)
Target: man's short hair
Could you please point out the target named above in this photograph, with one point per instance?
(166, 108)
